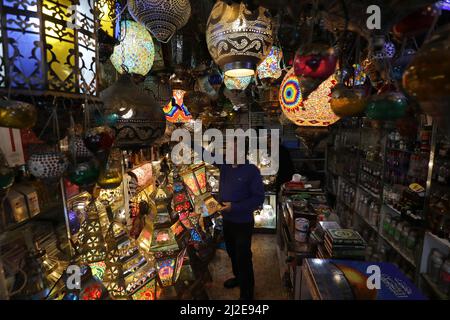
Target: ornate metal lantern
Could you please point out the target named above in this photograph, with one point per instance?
(168, 254)
(161, 17)
(141, 120)
(238, 39)
(195, 179)
(50, 46)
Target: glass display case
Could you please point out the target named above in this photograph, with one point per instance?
(266, 216)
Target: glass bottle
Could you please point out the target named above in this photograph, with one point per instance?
(111, 174)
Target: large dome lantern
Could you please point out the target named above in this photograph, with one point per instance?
(161, 17)
(239, 39)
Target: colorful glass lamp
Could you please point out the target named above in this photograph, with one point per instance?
(270, 67)
(237, 83)
(194, 178)
(168, 256)
(136, 52)
(175, 110)
(315, 110)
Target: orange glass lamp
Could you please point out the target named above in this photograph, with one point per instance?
(176, 111)
(195, 179)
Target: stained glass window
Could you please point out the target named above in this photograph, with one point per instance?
(49, 45)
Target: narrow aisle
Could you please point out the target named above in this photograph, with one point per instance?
(268, 284)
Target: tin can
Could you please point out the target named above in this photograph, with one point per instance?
(302, 224)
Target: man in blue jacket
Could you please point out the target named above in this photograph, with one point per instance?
(241, 191)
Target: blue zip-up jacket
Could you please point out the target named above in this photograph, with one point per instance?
(243, 187)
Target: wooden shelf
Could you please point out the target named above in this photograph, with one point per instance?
(398, 250)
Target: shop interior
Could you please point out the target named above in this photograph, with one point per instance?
(95, 95)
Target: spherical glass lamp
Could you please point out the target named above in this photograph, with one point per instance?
(136, 51)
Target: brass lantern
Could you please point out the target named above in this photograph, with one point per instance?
(169, 257)
(239, 39)
(195, 179)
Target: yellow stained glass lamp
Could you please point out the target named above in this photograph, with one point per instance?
(136, 52)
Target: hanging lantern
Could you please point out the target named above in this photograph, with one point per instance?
(161, 17)
(99, 140)
(348, 101)
(417, 22)
(77, 148)
(53, 48)
(110, 176)
(175, 110)
(140, 119)
(215, 79)
(427, 78)
(204, 85)
(195, 179)
(388, 104)
(84, 173)
(136, 52)
(313, 111)
(270, 67)
(316, 60)
(237, 83)
(47, 165)
(238, 39)
(17, 114)
(389, 50)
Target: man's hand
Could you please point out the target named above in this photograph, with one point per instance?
(226, 206)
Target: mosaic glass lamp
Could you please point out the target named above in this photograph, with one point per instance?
(176, 111)
(313, 111)
(136, 52)
(237, 83)
(270, 67)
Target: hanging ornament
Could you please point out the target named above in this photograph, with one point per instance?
(270, 67)
(136, 51)
(47, 165)
(387, 104)
(389, 50)
(17, 114)
(84, 174)
(161, 17)
(140, 119)
(175, 110)
(215, 79)
(238, 39)
(313, 111)
(427, 78)
(111, 173)
(348, 101)
(315, 60)
(417, 22)
(99, 140)
(78, 149)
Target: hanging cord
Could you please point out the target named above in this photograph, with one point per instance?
(48, 120)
